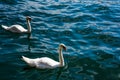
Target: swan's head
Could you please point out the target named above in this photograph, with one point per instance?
(28, 18)
(62, 46)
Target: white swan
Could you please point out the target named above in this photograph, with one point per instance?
(45, 62)
(19, 28)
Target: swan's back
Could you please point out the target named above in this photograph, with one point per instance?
(41, 63)
(15, 28)
(46, 62)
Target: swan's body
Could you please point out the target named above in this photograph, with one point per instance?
(15, 28)
(45, 62)
(19, 28)
(41, 63)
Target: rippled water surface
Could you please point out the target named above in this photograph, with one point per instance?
(89, 28)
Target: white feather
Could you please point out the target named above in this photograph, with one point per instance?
(45, 62)
(18, 28)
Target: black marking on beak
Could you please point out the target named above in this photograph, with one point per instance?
(64, 48)
(28, 18)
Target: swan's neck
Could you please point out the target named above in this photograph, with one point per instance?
(29, 26)
(61, 59)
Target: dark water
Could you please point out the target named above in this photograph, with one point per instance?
(89, 28)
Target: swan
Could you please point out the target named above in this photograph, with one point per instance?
(19, 28)
(45, 62)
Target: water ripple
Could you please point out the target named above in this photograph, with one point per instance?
(89, 29)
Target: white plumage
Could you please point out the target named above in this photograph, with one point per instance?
(41, 63)
(19, 28)
(45, 62)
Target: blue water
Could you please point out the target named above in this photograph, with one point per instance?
(89, 28)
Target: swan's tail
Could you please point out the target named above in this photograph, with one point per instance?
(4, 27)
(28, 61)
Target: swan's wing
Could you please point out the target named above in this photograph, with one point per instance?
(17, 29)
(46, 63)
